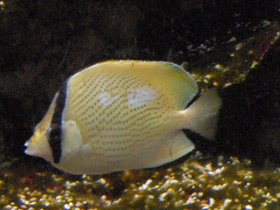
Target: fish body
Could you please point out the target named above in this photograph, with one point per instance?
(119, 115)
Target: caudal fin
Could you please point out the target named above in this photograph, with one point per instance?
(202, 115)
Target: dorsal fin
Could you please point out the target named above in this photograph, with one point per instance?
(177, 84)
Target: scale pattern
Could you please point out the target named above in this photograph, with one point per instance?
(106, 108)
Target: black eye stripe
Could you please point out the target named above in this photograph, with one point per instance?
(55, 134)
(55, 138)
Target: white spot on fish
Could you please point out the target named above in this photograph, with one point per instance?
(106, 99)
(141, 96)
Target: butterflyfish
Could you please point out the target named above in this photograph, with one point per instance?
(121, 115)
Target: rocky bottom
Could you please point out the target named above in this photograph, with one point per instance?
(197, 183)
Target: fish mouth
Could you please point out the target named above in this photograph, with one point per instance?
(27, 144)
(37, 148)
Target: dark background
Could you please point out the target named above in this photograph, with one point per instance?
(43, 42)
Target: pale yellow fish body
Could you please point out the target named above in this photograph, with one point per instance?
(120, 115)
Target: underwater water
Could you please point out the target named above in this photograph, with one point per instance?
(233, 46)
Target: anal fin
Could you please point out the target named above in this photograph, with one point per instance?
(175, 148)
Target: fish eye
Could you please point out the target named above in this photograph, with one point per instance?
(55, 134)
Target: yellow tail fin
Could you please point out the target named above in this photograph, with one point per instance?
(202, 116)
